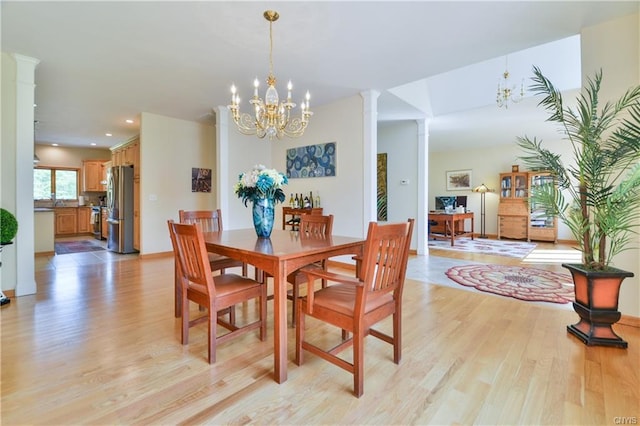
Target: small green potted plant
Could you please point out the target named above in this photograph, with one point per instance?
(602, 186)
(8, 226)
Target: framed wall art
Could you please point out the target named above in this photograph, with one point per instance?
(311, 161)
(200, 180)
(382, 187)
(458, 180)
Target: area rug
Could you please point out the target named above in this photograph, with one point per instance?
(528, 284)
(518, 249)
(80, 246)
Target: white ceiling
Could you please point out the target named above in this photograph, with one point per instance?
(103, 62)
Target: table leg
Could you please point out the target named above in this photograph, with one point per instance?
(452, 223)
(280, 323)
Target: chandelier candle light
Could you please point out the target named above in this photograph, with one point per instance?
(507, 93)
(272, 118)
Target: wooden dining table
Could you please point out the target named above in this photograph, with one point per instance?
(281, 254)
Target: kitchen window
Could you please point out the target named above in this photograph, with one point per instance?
(55, 184)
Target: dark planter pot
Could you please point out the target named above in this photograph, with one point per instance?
(597, 304)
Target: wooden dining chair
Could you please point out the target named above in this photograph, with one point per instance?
(312, 226)
(356, 304)
(217, 293)
(207, 221)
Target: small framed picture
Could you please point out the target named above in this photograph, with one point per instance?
(458, 180)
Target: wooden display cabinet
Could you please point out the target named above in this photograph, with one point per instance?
(513, 210)
(518, 218)
(542, 227)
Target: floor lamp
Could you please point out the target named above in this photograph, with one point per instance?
(482, 189)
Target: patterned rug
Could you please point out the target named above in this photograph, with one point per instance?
(528, 284)
(80, 246)
(519, 249)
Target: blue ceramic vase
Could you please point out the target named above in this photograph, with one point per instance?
(263, 216)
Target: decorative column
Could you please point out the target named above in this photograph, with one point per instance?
(18, 87)
(369, 155)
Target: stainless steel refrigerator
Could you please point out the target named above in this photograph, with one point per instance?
(120, 209)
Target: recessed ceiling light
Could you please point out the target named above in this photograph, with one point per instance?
(54, 144)
(108, 134)
(129, 121)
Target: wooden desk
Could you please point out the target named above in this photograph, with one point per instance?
(283, 253)
(453, 225)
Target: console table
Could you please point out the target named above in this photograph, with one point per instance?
(451, 225)
(294, 215)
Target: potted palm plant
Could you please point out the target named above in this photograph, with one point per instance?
(597, 195)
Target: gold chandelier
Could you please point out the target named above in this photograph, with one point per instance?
(272, 118)
(506, 92)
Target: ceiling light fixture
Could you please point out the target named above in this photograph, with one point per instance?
(272, 117)
(507, 93)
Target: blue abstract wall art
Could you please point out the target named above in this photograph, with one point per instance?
(312, 161)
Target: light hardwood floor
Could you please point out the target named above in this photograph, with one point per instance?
(99, 344)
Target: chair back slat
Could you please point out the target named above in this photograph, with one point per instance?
(207, 220)
(385, 258)
(191, 253)
(315, 225)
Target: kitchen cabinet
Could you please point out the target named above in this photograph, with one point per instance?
(66, 221)
(84, 220)
(105, 168)
(92, 176)
(104, 224)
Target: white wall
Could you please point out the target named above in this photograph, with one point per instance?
(244, 152)
(399, 140)
(58, 156)
(342, 195)
(614, 47)
(169, 149)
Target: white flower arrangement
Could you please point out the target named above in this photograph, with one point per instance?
(261, 182)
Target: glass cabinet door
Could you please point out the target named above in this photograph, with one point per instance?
(520, 185)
